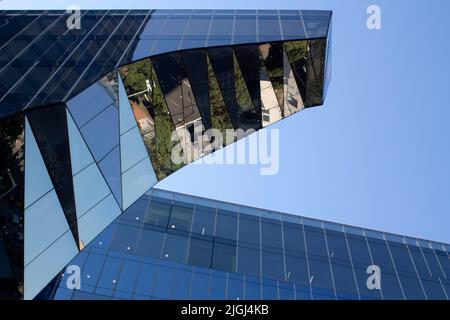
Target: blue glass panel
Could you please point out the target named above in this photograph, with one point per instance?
(97, 219)
(444, 261)
(221, 29)
(287, 291)
(44, 223)
(203, 221)
(91, 270)
(125, 239)
(163, 283)
(252, 288)
(320, 275)
(269, 289)
(226, 224)
(433, 264)
(174, 248)
(292, 27)
(269, 28)
(126, 116)
(136, 181)
(196, 32)
(316, 23)
(128, 276)
(80, 155)
(110, 273)
(110, 167)
(297, 269)
(153, 27)
(245, 29)
(224, 257)
(235, 290)
(302, 292)
(272, 265)
(200, 286)
(182, 285)
(200, 253)
(158, 212)
(44, 268)
(136, 212)
(102, 132)
(143, 49)
(271, 234)
(248, 260)
(84, 197)
(249, 229)
(181, 216)
(150, 243)
(144, 283)
(37, 180)
(89, 103)
(63, 294)
(434, 290)
(218, 285)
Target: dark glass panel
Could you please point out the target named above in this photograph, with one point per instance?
(221, 30)
(272, 57)
(224, 257)
(269, 289)
(361, 260)
(433, 264)
(125, 239)
(249, 63)
(182, 284)
(286, 291)
(204, 221)
(316, 22)
(222, 63)
(181, 217)
(249, 229)
(158, 213)
(197, 71)
(315, 69)
(220, 117)
(49, 126)
(297, 269)
(226, 224)
(444, 261)
(196, 32)
(248, 259)
(200, 253)
(271, 236)
(269, 28)
(150, 243)
(292, 26)
(11, 206)
(297, 53)
(174, 248)
(272, 265)
(245, 29)
(381, 257)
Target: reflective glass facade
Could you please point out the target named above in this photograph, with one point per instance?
(175, 246)
(87, 115)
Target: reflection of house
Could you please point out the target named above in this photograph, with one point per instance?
(143, 118)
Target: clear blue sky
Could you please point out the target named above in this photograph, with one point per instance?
(377, 154)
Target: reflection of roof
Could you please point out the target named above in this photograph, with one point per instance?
(43, 62)
(139, 114)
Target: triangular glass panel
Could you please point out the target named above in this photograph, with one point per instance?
(197, 72)
(50, 129)
(126, 116)
(110, 167)
(249, 63)
(79, 153)
(37, 180)
(293, 99)
(272, 58)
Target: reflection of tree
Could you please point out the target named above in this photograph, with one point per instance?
(246, 110)
(272, 55)
(11, 190)
(219, 113)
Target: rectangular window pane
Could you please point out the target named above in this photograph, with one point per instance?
(204, 219)
(226, 225)
(200, 253)
(158, 212)
(174, 248)
(248, 260)
(224, 257)
(180, 217)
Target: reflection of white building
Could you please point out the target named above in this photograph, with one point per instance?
(270, 109)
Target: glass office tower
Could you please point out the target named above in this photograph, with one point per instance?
(92, 104)
(175, 246)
